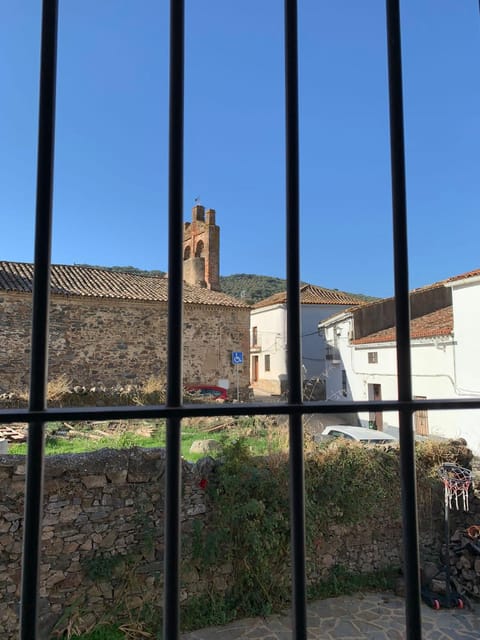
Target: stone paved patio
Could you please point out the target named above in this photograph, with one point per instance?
(371, 616)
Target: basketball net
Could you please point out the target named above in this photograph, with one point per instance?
(457, 481)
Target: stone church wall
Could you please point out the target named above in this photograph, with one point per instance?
(95, 342)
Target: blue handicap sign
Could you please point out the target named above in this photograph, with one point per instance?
(237, 357)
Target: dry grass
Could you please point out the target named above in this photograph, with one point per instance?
(276, 437)
(152, 391)
(431, 454)
(56, 389)
(22, 395)
(135, 631)
(154, 384)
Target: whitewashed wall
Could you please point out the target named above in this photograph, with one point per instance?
(466, 322)
(271, 323)
(313, 343)
(271, 340)
(433, 376)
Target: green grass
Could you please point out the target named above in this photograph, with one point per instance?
(101, 633)
(341, 582)
(260, 439)
(209, 610)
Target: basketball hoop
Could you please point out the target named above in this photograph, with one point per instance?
(457, 481)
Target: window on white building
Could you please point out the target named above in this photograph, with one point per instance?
(267, 362)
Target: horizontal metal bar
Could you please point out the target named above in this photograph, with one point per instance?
(59, 414)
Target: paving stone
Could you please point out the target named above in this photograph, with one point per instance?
(361, 617)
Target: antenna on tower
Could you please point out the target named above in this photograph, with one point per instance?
(197, 200)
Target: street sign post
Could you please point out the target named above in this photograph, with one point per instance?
(237, 359)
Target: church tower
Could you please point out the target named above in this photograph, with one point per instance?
(201, 249)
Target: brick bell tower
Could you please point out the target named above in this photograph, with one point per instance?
(201, 249)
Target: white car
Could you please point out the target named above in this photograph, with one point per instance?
(360, 434)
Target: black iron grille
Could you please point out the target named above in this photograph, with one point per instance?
(37, 414)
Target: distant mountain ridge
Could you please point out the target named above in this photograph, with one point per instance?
(245, 286)
(253, 288)
(129, 269)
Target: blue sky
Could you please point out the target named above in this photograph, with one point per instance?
(111, 143)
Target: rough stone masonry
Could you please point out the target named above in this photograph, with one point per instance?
(116, 342)
(102, 539)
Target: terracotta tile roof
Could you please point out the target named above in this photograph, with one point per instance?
(464, 276)
(437, 323)
(441, 283)
(311, 294)
(90, 282)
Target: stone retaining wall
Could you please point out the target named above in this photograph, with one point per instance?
(103, 520)
(102, 538)
(130, 395)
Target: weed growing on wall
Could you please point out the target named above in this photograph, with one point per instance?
(342, 582)
(251, 529)
(239, 550)
(249, 497)
(346, 484)
(102, 567)
(430, 454)
(206, 611)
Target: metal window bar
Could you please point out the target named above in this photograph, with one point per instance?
(40, 308)
(171, 621)
(402, 315)
(294, 353)
(37, 413)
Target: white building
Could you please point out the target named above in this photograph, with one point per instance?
(445, 353)
(466, 323)
(268, 331)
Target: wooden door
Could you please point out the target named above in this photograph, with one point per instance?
(421, 419)
(254, 368)
(376, 417)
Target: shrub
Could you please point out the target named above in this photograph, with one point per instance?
(346, 484)
(249, 496)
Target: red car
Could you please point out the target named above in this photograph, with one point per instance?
(207, 392)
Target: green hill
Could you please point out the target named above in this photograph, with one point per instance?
(252, 288)
(129, 269)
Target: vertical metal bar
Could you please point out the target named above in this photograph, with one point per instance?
(402, 311)
(294, 354)
(40, 307)
(171, 624)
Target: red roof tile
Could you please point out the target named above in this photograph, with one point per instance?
(437, 323)
(71, 280)
(311, 294)
(464, 276)
(442, 283)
